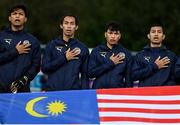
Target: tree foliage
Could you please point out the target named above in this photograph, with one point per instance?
(134, 17)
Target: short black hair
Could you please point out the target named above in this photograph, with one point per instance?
(112, 26)
(156, 21)
(70, 15)
(16, 7)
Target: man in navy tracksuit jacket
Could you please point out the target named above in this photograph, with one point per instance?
(154, 65)
(109, 64)
(19, 54)
(65, 60)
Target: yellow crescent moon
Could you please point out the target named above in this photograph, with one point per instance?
(30, 105)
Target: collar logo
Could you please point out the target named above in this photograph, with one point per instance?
(147, 58)
(8, 41)
(59, 48)
(103, 54)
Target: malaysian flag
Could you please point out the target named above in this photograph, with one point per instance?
(125, 106)
(139, 106)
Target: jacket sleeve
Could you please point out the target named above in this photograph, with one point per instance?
(142, 69)
(128, 76)
(7, 55)
(84, 71)
(95, 68)
(172, 79)
(50, 63)
(35, 66)
(177, 68)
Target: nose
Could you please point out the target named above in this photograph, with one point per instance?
(156, 33)
(113, 35)
(17, 15)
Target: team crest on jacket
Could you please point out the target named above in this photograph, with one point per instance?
(147, 58)
(26, 42)
(59, 48)
(103, 54)
(8, 41)
(77, 50)
(122, 54)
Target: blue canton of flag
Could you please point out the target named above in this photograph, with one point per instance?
(65, 107)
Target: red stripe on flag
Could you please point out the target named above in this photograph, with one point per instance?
(156, 91)
(157, 104)
(110, 119)
(138, 101)
(139, 110)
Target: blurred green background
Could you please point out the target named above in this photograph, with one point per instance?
(133, 15)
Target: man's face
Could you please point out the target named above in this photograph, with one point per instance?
(112, 37)
(156, 35)
(69, 26)
(17, 18)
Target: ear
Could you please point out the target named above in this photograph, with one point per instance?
(164, 37)
(105, 34)
(76, 27)
(120, 36)
(26, 19)
(148, 36)
(61, 27)
(9, 18)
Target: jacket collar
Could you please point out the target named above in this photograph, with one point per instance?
(105, 47)
(69, 43)
(8, 29)
(162, 48)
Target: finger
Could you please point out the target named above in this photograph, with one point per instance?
(76, 53)
(158, 58)
(122, 57)
(26, 49)
(25, 52)
(165, 66)
(27, 45)
(12, 88)
(19, 43)
(121, 61)
(165, 58)
(75, 57)
(166, 62)
(68, 50)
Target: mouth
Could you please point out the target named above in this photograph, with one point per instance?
(68, 31)
(156, 38)
(17, 20)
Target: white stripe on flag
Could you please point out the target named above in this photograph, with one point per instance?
(141, 115)
(130, 97)
(141, 106)
(135, 123)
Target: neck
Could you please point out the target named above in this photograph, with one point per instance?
(155, 45)
(16, 28)
(109, 46)
(66, 38)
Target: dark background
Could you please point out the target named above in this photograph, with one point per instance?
(135, 16)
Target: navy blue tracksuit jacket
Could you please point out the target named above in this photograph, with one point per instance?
(147, 72)
(105, 72)
(63, 74)
(177, 70)
(14, 66)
